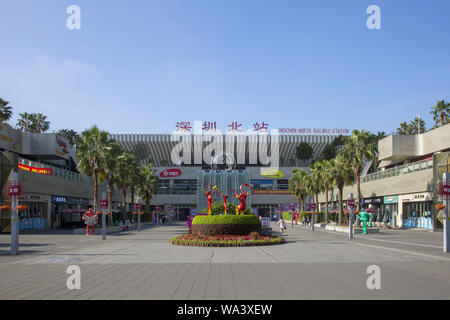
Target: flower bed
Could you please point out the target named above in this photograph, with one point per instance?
(197, 240)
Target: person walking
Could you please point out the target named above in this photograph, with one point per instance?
(282, 224)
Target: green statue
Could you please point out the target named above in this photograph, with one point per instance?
(365, 217)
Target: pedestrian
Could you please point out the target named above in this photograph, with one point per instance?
(307, 221)
(282, 224)
(303, 221)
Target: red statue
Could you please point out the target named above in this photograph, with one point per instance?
(224, 196)
(242, 198)
(90, 219)
(209, 197)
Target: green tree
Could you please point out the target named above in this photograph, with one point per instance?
(316, 183)
(70, 135)
(123, 179)
(441, 112)
(330, 150)
(298, 185)
(323, 171)
(359, 149)
(343, 174)
(149, 184)
(33, 122)
(92, 150)
(304, 151)
(24, 122)
(5, 111)
(417, 126)
(109, 169)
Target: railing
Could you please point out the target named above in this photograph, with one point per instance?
(58, 172)
(404, 169)
(176, 191)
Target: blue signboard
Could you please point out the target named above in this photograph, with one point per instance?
(59, 199)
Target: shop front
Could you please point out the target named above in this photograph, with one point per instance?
(417, 210)
(34, 214)
(59, 205)
(390, 210)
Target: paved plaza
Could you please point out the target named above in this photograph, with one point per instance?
(143, 265)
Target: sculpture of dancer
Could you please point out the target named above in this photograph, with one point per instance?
(90, 219)
(242, 198)
(209, 196)
(364, 218)
(224, 196)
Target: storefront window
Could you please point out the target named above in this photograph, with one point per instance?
(418, 214)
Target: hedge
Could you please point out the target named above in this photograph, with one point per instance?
(228, 219)
(229, 225)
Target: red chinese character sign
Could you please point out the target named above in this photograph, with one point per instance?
(14, 190)
(351, 203)
(138, 206)
(103, 204)
(444, 189)
(312, 206)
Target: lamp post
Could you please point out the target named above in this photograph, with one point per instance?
(446, 197)
(351, 205)
(139, 208)
(14, 192)
(313, 208)
(103, 206)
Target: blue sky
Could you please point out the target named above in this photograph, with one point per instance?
(141, 66)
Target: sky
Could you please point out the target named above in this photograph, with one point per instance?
(142, 66)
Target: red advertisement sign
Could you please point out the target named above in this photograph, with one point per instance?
(138, 206)
(170, 173)
(445, 189)
(103, 203)
(14, 190)
(312, 206)
(47, 171)
(351, 203)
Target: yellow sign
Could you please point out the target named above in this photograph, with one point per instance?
(272, 173)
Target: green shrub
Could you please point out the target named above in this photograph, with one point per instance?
(222, 225)
(228, 219)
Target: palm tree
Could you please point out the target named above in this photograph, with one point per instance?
(124, 176)
(342, 175)
(324, 174)
(149, 183)
(25, 121)
(109, 169)
(5, 111)
(298, 185)
(135, 180)
(92, 150)
(39, 123)
(441, 112)
(359, 149)
(316, 185)
(70, 135)
(417, 126)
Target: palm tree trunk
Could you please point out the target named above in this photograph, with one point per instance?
(442, 119)
(124, 195)
(326, 204)
(358, 188)
(95, 190)
(147, 199)
(341, 207)
(317, 206)
(110, 191)
(132, 190)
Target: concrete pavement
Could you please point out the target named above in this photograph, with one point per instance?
(143, 265)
